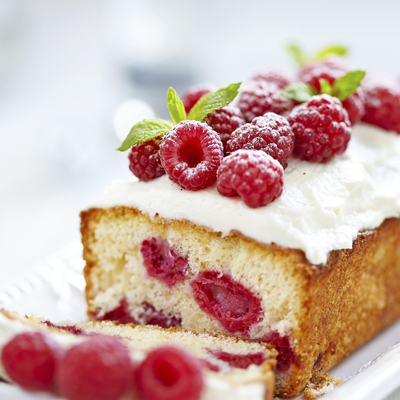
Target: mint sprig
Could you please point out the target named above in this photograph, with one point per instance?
(299, 91)
(347, 84)
(300, 57)
(342, 88)
(213, 101)
(175, 106)
(146, 130)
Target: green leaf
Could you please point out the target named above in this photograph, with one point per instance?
(299, 91)
(331, 50)
(146, 130)
(326, 87)
(175, 107)
(296, 53)
(347, 84)
(213, 101)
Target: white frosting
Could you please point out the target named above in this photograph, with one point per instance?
(323, 206)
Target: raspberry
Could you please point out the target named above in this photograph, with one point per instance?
(194, 93)
(253, 175)
(270, 133)
(163, 262)
(321, 127)
(96, 369)
(229, 302)
(152, 316)
(225, 121)
(238, 360)
(272, 75)
(144, 160)
(286, 354)
(68, 328)
(259, 97)
(331, 70)
(30, 360)
(382, 102)
(191, 153)
(169, 373)
(120, 314)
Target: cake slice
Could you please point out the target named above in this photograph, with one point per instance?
(315, 272)
(230, 366)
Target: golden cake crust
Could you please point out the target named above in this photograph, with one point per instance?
(337, 307)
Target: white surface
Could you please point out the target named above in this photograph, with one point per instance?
(323, 207)
(54, 289)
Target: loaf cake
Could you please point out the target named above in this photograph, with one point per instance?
(231, 367)
(315, 272)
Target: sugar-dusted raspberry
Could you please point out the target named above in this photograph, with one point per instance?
(144, 160)
(228, 301)
(163, 261)
(259, 97)
(321, 127)
(95, 369)
(276, 76)
(30, 360)
(238, 360)
(169, 373)
(194, 93)
(225, 121)
(251, 174)
(151, 316)
(270, 133)
(121, 314)
(382, 102)
(191, 153)
(330, 69)
(286, 354)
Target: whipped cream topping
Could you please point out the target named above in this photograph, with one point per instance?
(323, 207)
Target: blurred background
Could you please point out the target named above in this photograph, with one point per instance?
(72, 71)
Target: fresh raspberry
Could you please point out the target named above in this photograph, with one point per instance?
(238, 360)
(194, 93)
(330, 69)
(144, 160)
(228, 301)
(355, 106)
(191, 153)
(151, 316)
(259, 97)
(121, 314)
(270, 133)
(382, 102)
(273, 75)
(169, 373)
(251, 174)
(321, 127)
(96, 369)
(163, 262)
(30, 360)
(286, 354)
(225, 121)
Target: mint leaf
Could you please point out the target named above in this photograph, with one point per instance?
(175, 106)
(299, 91)
(325, 86)
(146, 130)
(331, 50)
(296, 53)
(213, 101)
(347, 84)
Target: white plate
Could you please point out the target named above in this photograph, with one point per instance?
(55, 288)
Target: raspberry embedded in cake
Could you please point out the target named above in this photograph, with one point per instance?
(169, 373)
(285, 352)
(242, 361)
(228, 301)
(163, 262)
(121, 314)
(152, 316)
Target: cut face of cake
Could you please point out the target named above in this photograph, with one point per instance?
(315, 272)
(225, 367)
